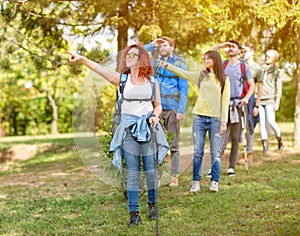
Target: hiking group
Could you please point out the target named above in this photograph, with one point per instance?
(233, 95)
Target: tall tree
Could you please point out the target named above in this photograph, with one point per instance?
(35, 39)
(297, 100)
(41, 30)
(282, 20)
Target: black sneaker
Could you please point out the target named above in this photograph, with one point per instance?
(151, 211)
(134, 218)
(230, 172)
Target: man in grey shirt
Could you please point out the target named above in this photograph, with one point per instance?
(233, 71)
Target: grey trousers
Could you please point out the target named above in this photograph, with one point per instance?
(172, 125)
(233, 133)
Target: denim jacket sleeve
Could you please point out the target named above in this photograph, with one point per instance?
(142, 132)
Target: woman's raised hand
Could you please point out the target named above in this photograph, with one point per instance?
(163, 63)
(73, 58)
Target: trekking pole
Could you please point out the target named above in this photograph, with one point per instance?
(243, 119)
(153, 136)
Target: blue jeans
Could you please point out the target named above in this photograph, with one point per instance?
(132, 153)
(201, 125)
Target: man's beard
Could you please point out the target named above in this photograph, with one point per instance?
(165, 54)
(232, 55)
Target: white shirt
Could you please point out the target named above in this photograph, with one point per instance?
(140, 91)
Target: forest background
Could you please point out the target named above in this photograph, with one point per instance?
(39, 87)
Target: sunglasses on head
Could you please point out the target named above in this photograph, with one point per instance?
(132, 55)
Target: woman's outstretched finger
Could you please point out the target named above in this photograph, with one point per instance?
(72, 57)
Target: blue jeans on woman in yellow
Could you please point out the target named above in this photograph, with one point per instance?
(202, 125)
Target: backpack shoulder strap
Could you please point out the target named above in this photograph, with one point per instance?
(122, 84)
(152, 78)
(243, 69)
(225, 64)
(119, 93)
(153, 86)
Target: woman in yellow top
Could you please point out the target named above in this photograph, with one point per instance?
(211, 113)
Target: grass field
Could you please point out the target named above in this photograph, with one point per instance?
(54, 193)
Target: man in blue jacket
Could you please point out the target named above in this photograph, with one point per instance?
(173, 92)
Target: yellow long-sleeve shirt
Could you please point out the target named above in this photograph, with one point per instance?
(211, 101)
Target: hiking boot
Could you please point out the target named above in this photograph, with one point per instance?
(280, 144)
(195, 187)
(265, 146)
(230, 172)
(214, 186)
(174, 181)
(151, 211)
(134, 218)
(242, 161)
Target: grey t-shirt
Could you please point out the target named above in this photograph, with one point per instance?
(235, 75)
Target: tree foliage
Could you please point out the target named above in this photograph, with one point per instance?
(34, 35)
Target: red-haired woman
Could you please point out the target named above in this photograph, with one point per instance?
(132, 138)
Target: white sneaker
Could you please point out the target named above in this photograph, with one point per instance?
(195, 187)
(214, 186)
(230, 172)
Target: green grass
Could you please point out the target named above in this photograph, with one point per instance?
(54, 193)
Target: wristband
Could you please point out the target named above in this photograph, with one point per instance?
(154, 115)
(257, 106)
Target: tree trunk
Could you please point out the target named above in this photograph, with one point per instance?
(54, 129)
(122, 28)
(2, 130)
(297, 101)
(122, 37)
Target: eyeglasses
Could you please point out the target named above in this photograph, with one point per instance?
(131, 55)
